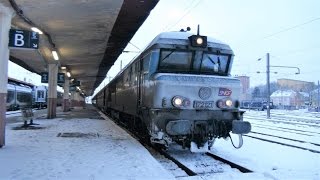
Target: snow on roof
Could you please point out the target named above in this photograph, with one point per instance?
(280, 93)
(176, 37)
(304, 94)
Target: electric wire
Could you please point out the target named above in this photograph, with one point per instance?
(184, 15)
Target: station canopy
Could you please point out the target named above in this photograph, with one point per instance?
(89, 35)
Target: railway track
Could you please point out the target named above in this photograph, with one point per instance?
(284, 129)
(182, 163)
(290, 139)
(285, 121)
(203, 163)
(284, 144)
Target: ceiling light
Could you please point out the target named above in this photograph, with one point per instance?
(68, 74)
(63, 67)
(55, 55)
(36, 30)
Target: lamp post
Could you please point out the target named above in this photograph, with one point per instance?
(268, 80)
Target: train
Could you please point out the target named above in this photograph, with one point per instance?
(256, 105)
(179, 89)
(40, 95)
(20, 95)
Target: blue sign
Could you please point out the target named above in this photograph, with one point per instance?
(23, 39)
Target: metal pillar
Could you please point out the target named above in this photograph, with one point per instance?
(52, 92)
(66, 95)
(5, 23)
(268, 86)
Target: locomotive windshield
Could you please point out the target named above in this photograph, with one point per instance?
(175, 60)
(193, 62)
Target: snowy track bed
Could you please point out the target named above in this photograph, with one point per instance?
(287, 130)
(203, 164)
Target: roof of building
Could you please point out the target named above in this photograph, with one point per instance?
(285, 93)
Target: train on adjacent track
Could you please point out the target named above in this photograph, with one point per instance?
(20, 95)
(178, 89)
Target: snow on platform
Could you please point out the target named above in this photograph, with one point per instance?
(95, 148)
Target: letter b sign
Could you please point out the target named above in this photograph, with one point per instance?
(23, 39)
(18, 40)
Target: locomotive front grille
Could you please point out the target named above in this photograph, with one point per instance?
(178, 127)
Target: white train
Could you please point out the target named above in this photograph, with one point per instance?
(178, 89)
(40, 96)
(18, 96)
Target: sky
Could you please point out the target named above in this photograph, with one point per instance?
(287, 29)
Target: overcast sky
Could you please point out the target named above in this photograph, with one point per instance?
(288, 29)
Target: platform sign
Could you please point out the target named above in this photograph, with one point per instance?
(60, 78)
(44, 77)
(23, 39)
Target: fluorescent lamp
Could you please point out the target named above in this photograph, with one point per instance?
(68, 74)
(63, 67)
(36, 30)
(55, 55)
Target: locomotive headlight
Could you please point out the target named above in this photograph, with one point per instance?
(199, 40)
(177, 101)
(229, 103)
(221, 104)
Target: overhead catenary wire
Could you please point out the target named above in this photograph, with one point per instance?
(183, 16)
(187, 7)
(282, 31)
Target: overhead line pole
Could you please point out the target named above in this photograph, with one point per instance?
(268, 86)
(318, 109)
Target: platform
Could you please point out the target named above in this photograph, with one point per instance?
(79, 144)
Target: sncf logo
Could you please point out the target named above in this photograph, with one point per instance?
(224, 92)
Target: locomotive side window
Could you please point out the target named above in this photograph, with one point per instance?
(146, 61)
(214, 63)
(172, 60)
(126, 76)
(134, 74)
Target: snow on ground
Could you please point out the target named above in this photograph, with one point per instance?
(40, 154)
(273, 160)
(110, 153)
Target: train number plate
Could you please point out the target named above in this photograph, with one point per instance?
(203, 104)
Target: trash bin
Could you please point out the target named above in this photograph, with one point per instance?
(27, 114)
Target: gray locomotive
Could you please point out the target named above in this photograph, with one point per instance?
(178, 89)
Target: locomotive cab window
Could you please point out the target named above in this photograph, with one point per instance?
(173, 60)
(214, 63)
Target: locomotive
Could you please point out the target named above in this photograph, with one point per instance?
(178, 89)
